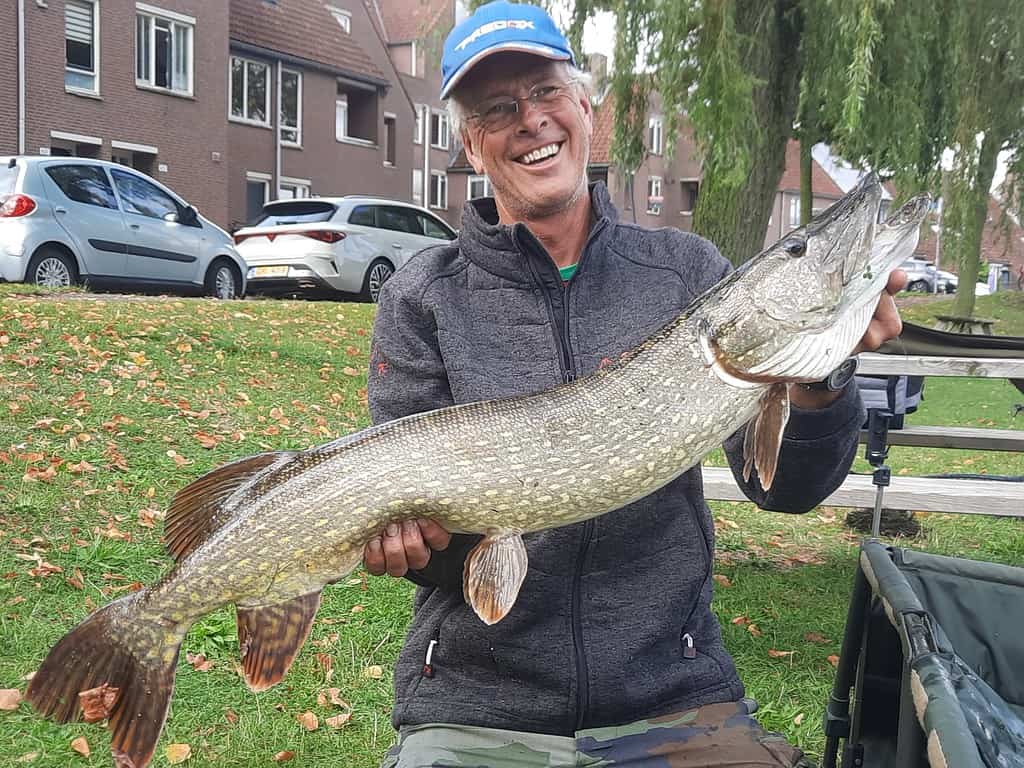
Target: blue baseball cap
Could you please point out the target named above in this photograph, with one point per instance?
(500, 26)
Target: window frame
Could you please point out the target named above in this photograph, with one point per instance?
(390, 142)
(794, 208)
(341, 99)
(418, 130)
(442, 116)
(176, 21)
(655, 188)
(297, 185)
(297, 128)
(417, 189)
(245, 92)
(343, 17)
(477, 178)
(656, 135)
(95, 73)
(257, 177)
(440, 178)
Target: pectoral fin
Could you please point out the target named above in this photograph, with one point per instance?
(269, 637)
(763, 438)
(494, 572)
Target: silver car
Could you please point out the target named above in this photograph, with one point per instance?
(66, 220)
(338, 244)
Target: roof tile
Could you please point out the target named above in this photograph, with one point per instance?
(406, 20)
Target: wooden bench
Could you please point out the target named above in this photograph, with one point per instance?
(924, 494)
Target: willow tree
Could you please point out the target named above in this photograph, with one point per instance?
(988, 41)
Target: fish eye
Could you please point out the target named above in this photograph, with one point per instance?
(796, 246)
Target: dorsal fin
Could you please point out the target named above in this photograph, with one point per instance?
(192, 516)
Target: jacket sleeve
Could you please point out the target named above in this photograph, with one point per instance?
(817, 450)
(407, 375)
(817, 446)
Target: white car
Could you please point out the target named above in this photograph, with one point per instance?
(350, 245)
(66, 220)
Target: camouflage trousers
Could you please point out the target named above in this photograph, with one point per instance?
(715, 735)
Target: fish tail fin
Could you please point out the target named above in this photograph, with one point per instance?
(106, 669)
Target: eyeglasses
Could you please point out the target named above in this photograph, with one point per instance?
(500, 112)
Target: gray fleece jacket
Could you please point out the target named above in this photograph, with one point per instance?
(613, 623)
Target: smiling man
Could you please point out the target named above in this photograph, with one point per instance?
(611, 655)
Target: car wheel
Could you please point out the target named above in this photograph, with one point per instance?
(920, 286)
(52, 268)
(379, 273)
(223, 280)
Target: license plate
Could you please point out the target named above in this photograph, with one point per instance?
(271, 272)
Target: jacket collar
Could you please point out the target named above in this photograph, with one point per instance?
(507, 251)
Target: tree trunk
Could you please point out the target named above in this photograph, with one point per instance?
(736, 218)
(806, 182)
(969, 245)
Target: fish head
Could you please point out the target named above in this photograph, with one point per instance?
(799, 308)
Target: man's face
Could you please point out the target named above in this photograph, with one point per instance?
(529, 184)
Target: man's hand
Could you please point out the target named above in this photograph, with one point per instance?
(885, 324)
(404, 546)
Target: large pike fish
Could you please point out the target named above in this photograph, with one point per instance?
(267, 532)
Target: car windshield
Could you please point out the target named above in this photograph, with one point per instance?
(8, 178)
(295, 212)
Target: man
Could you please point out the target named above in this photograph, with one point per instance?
(611, 655)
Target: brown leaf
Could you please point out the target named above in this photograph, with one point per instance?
(327, 664)
(283, 757)
(798, 719)
(779, 654)
(16, 600)
(740, 620)
(81, 746)
(351, 371)
(308, 720)
(339, 721)
(10, 698)
(815, 637)
(754, 630)
(722, 580)
(230, 716)
(374, 672)
(177, 753)
(199, 662)
(77, 581)
(833, 660)
(97, 703)
(45, 569)
(28, 757)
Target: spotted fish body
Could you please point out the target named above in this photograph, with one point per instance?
(266, 533)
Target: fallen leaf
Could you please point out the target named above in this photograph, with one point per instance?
(351, 371)
(28, 757)
(283, 757)
(199, 662)
(15, 600)
(10, 698)
(97, 703)
(754, 630)
(740, 620)
(798, 719)
(779, 654)
(327, 664)
(722, 580)
(230, 716)
(308, 720)
(374, 672)
(77, 581)
(338, 721)
(81, 746)
(815, 637)
(177, 753)
(833, 660)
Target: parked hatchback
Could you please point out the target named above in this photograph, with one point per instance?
(65, 220)
(338, 244)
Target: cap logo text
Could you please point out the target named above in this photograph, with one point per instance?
(494, 26)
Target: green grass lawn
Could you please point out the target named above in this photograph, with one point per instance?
(1006, 308)
(112, 405)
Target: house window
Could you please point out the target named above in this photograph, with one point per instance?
(356, 115)
(417, 186)
(389, 140)
(794, 212)
(438, 189)
(250, 91)
(412, 58)
(655, 136)
(81, 45)
(439, 133)
(292, 189)
(291, 107)
(163, 49)
(417, 135)
(690, 190)
(478, 186)
(654, 198)
(341, 117)
(343, 17)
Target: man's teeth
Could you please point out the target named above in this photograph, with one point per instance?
(539, 154)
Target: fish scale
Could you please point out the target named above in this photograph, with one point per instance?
(268, 532)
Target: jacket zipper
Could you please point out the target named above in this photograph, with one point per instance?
(561, 332)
